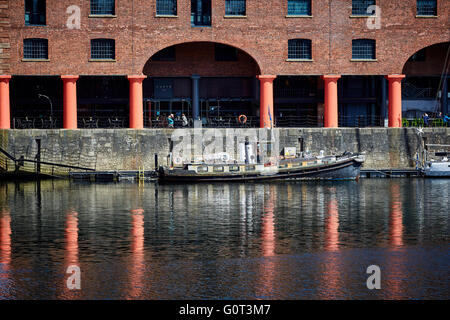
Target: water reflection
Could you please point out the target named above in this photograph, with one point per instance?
(137, 251)
(267, 267)
(272, 240)
(332, 226)
(395, 216)
(393, 271)
(331, 270)
(5, 255)
(71, 239)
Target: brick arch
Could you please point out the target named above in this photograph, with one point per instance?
(197, 57)
(420, 46)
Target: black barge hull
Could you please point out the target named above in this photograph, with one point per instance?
(343, 170)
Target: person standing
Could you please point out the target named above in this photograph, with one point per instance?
(425, 119)
(170, 121)
(184, 121)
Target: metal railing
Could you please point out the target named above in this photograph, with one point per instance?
(298, 121)
(35, 123)
(420, 122)
(12, 165)
(308, 121)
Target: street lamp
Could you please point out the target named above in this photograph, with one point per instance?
(51, 106)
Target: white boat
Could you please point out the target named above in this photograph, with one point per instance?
(437, 164)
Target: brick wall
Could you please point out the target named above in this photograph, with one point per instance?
(5, 46)
(263, 34)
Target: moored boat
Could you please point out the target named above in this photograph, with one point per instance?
(437, 164)
(343, 167)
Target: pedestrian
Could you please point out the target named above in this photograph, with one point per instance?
(446, 120)
(185, 120)
(425, 119)
(170, 121)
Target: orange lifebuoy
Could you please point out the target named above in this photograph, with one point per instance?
(242, 119)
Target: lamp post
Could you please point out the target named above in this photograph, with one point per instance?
(51, 107)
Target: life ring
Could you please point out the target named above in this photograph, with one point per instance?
(242, 119)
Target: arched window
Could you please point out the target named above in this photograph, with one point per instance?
(103, 49)
(299, 49)
(35, 49)
(363, 49)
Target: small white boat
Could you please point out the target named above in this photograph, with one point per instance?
(437, 164)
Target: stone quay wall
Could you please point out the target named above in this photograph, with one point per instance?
(126, 149)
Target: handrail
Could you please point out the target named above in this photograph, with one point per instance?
(8, 155)
(58, 165)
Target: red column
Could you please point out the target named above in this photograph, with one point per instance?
(70, 102)
(395, 100)
(5, 117)
(136, 102)
(331, 101)
(266, 101)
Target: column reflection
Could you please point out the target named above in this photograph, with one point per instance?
(137, 251)
(267, 267)
(5, 254)
(393, 270)
(332, 226)
(330, 276)
(5, 239)
(71, 239)
(395, 217)
(71, 254)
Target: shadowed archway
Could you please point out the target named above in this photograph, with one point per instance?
(425, 89)
(208, 81)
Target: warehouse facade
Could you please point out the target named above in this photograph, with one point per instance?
(129, 63)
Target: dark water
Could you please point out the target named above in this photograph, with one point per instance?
(290, 240)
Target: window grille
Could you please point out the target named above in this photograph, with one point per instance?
(35, 49)
(103, 49)
(426, 7)
(103, 7)
(299, 7)
(235, 7)
(166, 7)
(363, 49)
(299, 49)
(359, 7)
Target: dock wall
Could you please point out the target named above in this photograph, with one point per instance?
(125, 149)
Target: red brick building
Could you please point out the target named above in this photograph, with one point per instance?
(319, 62)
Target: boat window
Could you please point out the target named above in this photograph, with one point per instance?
(250, 168)
(202, 169)
(234, 168)
(218, 169)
